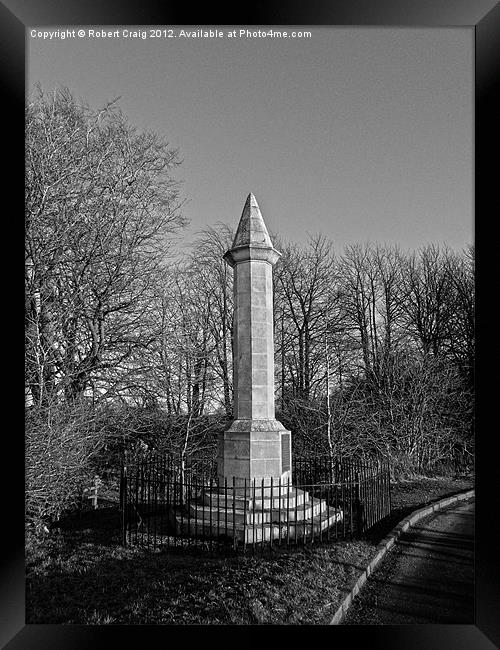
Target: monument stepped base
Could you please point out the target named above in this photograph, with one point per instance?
(291, 515)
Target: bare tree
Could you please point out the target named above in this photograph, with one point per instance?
(461, 323)
(215, 278)
(359, 296)
(428, 299)
(101, 203)
(305, 290)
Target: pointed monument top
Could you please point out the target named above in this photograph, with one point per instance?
(252, 230)
(252, 241)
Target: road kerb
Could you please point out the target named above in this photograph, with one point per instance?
(389, 541)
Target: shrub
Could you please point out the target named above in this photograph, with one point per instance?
(61, 444)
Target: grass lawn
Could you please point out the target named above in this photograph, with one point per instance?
(80, 575)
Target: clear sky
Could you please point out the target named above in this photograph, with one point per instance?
(364, 134)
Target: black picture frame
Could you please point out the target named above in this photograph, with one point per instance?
(481, 16)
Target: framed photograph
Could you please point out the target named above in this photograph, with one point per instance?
(313, 152)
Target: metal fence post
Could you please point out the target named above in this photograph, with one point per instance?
(357, 503)
(123, 502)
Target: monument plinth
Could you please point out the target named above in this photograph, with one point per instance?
(256, 446)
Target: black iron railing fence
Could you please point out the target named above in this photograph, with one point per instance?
(167, 503)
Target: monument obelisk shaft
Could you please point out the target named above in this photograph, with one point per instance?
(256, 446)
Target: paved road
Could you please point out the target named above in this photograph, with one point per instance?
(427, 577)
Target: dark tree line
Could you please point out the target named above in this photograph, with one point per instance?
(129, 342)
(375, 351)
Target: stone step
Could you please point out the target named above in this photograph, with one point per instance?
(319, 523)
(214, 514)
(281, 500)
(254, 500)
(201, 528)
(256, 533)
(308, 509)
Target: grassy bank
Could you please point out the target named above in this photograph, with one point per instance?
(80, 575)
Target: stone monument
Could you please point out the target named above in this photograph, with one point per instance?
(254, 499)
(256, 446)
